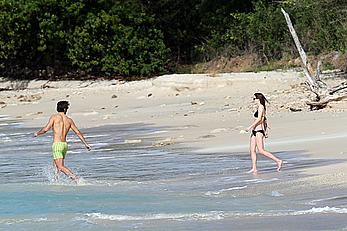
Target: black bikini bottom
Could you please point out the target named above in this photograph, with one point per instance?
(254, 132)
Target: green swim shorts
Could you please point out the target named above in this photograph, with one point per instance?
(59, 150)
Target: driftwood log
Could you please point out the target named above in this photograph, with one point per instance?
(323, 93)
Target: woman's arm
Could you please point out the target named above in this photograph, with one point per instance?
(266, 128)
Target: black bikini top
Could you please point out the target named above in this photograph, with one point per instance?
(265, 120)
(256, 114)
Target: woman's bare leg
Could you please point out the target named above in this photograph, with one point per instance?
(260, 146)
(252, 150)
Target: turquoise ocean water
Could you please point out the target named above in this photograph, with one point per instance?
(141, 187)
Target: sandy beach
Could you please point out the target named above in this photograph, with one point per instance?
(204, 114)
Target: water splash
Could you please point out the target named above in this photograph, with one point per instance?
(54, 178)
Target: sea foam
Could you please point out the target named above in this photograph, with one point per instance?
(210, 193)
(325, 209)
(214, 215)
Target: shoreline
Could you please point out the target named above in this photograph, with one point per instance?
(202, 112)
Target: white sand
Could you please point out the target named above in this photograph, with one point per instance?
(205, 113)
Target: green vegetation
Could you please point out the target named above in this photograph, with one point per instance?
(98, 37)
(51, 38)
(321, 27)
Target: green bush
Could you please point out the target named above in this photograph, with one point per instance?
(118, 41)
(263, 31)
(321, 25)
(17, 31)
(101, 37)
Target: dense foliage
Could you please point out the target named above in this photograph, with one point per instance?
(48, 38)
(100, 37)
(321, 26)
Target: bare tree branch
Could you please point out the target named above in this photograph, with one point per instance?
(324, 94)
(311, 80)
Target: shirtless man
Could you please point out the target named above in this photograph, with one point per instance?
(61, 125)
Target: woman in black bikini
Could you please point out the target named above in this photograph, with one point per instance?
(259, 131)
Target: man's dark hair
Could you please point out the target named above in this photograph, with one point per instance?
(62, 106)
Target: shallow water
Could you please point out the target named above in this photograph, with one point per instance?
(128, 186)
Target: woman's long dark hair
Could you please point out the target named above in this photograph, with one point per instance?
(261, 98)
(262, 101)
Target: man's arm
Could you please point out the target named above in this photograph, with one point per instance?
(80, 135)
(46, 128)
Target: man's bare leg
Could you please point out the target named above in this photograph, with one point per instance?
(56, 171)
(60, 165)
